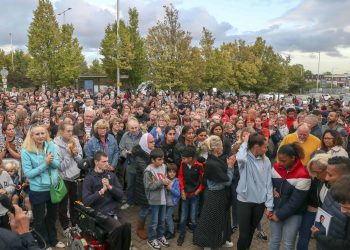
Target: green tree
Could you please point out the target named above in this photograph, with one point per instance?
(70, 58)
(296, 79)
(139, 68)
(96, 68)
(169, 52)
(43, 44)
(116, 53)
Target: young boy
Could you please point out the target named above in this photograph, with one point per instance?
(190, 180)
(172, 199)
(155, 181)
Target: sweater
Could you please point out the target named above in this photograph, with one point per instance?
(255, 184)
(7, 184)
(311, 144)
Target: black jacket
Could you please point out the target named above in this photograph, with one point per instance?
(168, 152)
(12, 241)
(93, 184)
(141, 160)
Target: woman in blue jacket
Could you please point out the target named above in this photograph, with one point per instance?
(39, 161)
(291, 183)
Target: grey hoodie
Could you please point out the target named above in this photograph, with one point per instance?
(68, 169)
(154, 187)
(7, 184)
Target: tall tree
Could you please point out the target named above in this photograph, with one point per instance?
(96, 68)
(139, 68)
(116, 53)
(70, 57)
(43, 44)
(169, 52)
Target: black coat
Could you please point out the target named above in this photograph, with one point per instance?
(168, 152)
(141, 160)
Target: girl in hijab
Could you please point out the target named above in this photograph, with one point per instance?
(142, 159)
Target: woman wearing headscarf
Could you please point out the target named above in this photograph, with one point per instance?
(142, 158)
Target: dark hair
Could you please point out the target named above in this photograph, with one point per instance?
(341, 163)
(99, 154)
(291, 150)
(256, 139)
(338, 141)
(185, 129)
(316, 112)
(200, 130)
(290, 110)
(215, 126)
(5, 125)
(340, 190)
(168, 129)
(156, 153)
(171, 167)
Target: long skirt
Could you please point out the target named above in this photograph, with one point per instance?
(214, 226)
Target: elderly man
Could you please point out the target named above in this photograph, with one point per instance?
(308, 142)
(316, 128)
(130, 139)
(84, 130)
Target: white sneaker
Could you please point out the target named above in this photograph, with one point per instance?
(207, 248)
(66, 232)
(125, 206)
(154, 244)
(60, 245)
(228, 244)
(49, 248)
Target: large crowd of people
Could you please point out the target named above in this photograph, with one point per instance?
(211, 165)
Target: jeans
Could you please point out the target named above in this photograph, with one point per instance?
(45, 223)
(156, 227)
(169, 219)
(131, 178)
(70, 198)
(249, 216)
(287, 229)
(192, 202)
(307, 221)
(144, 211)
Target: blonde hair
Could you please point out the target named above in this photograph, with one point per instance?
(29, 143)
(8, 166)
(321, 162)
(212, 142)
(102, 123)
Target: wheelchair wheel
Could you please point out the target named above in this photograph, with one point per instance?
(77, 245)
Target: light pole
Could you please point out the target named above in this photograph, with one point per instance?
(64, 14)
(318, 70)
(4, 73)
(118, 70)
(13, 66)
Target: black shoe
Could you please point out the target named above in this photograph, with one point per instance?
(169, 236)
(262, 235)
(180, 240)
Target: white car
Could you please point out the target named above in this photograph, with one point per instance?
(326, 97)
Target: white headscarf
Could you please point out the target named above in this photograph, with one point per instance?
(144, 142)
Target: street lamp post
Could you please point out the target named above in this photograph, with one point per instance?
(118, 70)
(318, 70)
(13, 66)
(4, 73)
(64, 14)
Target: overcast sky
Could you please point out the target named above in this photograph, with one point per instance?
(299, 28)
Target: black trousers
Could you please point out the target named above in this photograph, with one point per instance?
(249, 215)
(4, 222)
(45, 216)
(68, 203)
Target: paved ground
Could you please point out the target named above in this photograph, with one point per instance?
(139, 244)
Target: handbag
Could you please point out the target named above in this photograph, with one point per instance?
(59, 191)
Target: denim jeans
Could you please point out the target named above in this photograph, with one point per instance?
(131, 179)
(156, 227)
(287, 229)
(144, 211)
(190, 202)
(307, 221)
(169, 219)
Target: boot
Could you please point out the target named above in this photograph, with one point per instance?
(140, 229)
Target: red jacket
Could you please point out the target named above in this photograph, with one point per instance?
(289, 122)
(190, 179)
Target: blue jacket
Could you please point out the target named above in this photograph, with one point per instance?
(36, 170)
(111, 149)
(174, 194)
(255, 184)
(293, 186)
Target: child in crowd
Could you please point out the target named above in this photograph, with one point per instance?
(172, 199)
(155, 182)
(190, 180)
(6, 188)
(22, 188)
